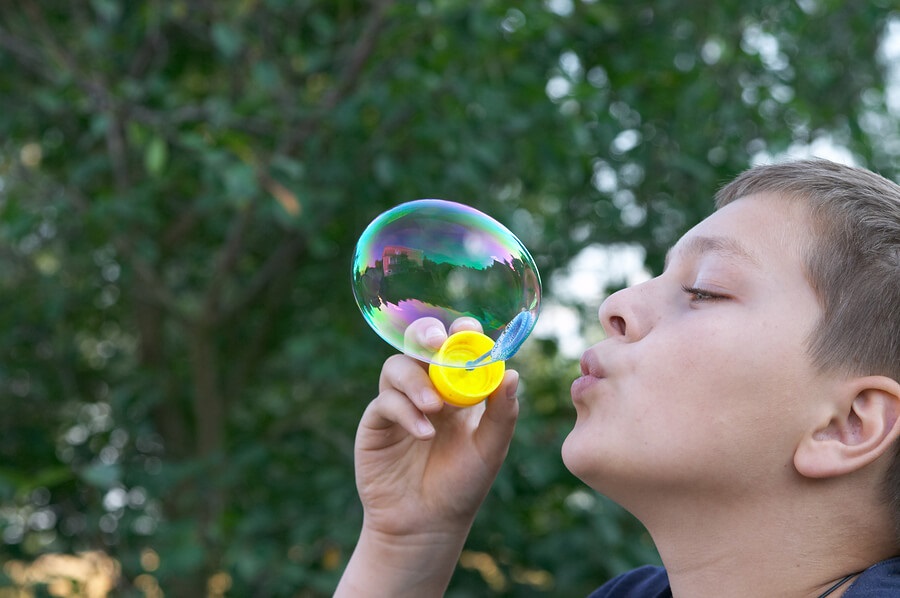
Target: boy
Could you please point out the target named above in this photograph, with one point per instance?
(744, 405)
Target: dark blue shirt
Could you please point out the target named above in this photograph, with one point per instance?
(881, 580)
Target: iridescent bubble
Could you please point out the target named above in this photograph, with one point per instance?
(432, 260)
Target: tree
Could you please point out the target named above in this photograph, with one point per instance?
(182, 186)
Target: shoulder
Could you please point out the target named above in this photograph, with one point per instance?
(643, 582)
(881, 579)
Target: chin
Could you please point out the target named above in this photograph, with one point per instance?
(592, 463)
(576, 457)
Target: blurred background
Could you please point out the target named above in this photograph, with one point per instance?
(182, 184)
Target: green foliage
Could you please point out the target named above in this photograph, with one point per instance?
(181, 188)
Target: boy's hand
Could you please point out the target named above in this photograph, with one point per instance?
(422, 464)
(424, 467)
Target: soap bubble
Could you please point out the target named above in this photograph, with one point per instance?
(433, 259)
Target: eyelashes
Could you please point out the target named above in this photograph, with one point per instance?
(702, 295)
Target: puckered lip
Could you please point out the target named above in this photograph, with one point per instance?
(590, 365)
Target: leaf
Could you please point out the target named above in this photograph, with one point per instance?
(108, 10)
(101, 476)
(227, 39)
(155, 156)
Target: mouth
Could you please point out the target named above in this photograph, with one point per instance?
(591, 373)
(590, 366)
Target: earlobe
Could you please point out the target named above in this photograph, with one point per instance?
(858, 432)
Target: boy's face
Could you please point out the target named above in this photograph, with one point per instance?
(703, 386)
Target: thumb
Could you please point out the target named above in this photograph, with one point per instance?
(498, 421)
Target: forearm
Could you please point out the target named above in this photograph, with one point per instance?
(396, 567)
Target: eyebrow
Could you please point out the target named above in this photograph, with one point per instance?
(725, 246)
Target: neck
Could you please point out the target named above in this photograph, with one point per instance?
(763, 546)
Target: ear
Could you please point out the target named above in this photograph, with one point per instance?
(860, 429)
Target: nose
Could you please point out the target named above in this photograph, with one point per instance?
(628, 313)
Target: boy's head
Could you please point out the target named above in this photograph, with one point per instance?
(753, 348)
(852, 262)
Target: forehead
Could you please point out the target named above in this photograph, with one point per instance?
(756, 230)
(698, 244)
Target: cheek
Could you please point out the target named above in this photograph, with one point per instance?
(711, 351)
(675, 365)
(731, 378)
(681, 381)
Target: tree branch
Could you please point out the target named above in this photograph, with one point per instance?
(349, 78)
(361, 53)
(227, 257)
(278, 263)
(26, 54)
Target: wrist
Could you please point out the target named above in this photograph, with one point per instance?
(392, 565)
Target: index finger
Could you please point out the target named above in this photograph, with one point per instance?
(406, 376)
(424, 337)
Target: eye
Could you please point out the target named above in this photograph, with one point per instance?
(698, 295)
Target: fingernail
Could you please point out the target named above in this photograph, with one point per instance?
(434, 336)
(424, 427)
(429, 398)
(512, 390)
